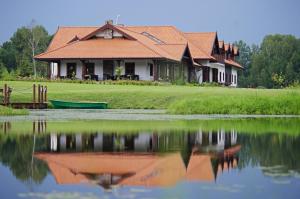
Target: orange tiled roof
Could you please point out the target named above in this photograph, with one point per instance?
(161, 42)
(204, 41)
(227, 47)
(233, 63)
(65, 34)
(64, 44)
(170, 35)
(101, 48)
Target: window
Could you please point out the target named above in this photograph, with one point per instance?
(232, 78)
(151, 69)
(129, 68)
(223, 76)
(152, 37)
(235, 79)
(220, 76)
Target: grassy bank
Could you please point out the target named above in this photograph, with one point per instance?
(7, 111)
(176, 99)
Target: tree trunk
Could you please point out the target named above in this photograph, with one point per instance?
(33, 61)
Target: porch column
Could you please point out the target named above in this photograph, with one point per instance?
(49, 70)
(83, 69)
(58, 69)
(210, 74)
(155, 71)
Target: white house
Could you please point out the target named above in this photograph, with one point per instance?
(153, 53)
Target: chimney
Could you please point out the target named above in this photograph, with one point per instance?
(110, 22)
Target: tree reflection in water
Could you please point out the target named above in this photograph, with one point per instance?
(211, 151)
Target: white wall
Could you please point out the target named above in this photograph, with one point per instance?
(221, 68)
(98, 68)
(234, 73)
(141, 68)
(63, 68)
(54, 70)
(199, 75)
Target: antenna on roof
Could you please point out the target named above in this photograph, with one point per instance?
(117, 19)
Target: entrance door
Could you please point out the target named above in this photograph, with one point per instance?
(71, 70)
(205, 74)
(108, 69)
(215, 75)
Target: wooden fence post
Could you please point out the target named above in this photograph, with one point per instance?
(45, 90)
(42, 94)
(39, 93)
(5, 95)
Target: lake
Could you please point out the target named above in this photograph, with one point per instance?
(43, 157)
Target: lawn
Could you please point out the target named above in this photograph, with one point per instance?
(7, 111)
(176, 99)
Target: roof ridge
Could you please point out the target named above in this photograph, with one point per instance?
(132, 26)
(199, 32)
(148, 46)
(78, 26)
(170, 44)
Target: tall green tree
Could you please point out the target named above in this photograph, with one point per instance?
(278, 56)
(245, 59)
(26, 42)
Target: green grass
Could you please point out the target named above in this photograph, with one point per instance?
(7, 111)
(176, 99)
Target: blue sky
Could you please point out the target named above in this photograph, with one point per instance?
(234, 20)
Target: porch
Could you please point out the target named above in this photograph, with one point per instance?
(130, 69)
(101, 69)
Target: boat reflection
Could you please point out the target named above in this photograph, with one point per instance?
(145, 159)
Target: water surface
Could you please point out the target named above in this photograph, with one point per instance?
(243, 158)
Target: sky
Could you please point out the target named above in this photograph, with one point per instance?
(248, 20)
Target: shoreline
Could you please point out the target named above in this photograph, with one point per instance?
(125, 114)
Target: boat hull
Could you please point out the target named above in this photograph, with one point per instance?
(78, 105)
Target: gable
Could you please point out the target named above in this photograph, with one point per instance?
(204, 41)
(108, 31)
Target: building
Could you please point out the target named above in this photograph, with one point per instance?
(153, 53)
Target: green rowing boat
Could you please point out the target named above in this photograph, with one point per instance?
(59, 104)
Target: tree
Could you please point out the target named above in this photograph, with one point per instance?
(275, 54)
(245, 59)
(18, 53)
(36, 35)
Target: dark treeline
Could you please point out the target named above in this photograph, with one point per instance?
(273, 64)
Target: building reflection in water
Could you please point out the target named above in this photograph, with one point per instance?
(144, 159)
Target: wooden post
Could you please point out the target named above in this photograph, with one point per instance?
(5, 94)
(42, 94)
(45, 93)
(39, 93)
(155, 71)
(33, 93)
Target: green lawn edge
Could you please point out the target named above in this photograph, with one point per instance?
(175, 99)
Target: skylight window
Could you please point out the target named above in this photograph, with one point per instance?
(152, 38)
